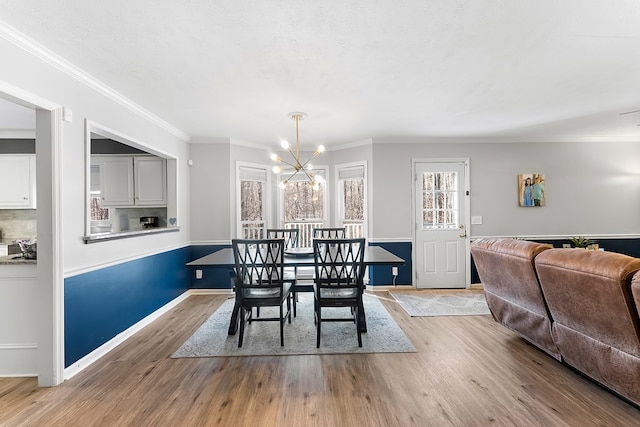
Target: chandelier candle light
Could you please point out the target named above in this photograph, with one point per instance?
(297, 165)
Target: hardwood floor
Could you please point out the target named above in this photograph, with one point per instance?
(468, 371)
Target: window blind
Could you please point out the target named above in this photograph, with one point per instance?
(355, 172)
(252, 174)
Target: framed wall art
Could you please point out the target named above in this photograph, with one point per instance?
(531, 190)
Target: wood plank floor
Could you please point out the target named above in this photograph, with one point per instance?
(468, 371)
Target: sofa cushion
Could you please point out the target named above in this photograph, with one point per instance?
(506, 270)
(596, 325)
(590, 293)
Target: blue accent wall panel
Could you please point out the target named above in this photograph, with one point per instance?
(212, 277)
(381, 275)
(101, 304)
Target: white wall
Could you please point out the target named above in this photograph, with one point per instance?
(593, 188)
(25, 71)
(210, 190)
(25, 75)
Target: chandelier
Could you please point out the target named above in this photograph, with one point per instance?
(297, 166)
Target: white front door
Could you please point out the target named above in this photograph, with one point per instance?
(441, 229)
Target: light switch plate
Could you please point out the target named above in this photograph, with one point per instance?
(476, 219)
(67, 114)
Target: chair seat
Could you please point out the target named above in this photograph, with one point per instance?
(342, 293)
(266, 292)
(289, 274)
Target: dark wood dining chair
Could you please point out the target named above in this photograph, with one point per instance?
(291, 239)
(290, 236)
(339, 280)
(329, 233)
(260, 281)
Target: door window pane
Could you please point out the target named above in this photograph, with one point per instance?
(439, 200)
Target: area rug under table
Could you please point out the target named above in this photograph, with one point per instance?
(263, 338)
(442, 303)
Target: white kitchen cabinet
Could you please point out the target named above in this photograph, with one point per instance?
(17, 181)
(132, 180)
(116, 181)
(150, 181)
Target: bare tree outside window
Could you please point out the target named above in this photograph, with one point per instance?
(250, 201)
(303, 202)
(439, 201)
(252, 209)
(354, 199)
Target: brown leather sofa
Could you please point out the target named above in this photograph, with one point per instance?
(507, 272)
(595, 318)
(587, 300)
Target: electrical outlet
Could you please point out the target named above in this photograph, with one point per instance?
(198, 274)
(394, 271)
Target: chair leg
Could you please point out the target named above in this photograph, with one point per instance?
(319, 322)
(242, 322)
(357, 315)
(289, 307)
(295, 299)
(281, 326)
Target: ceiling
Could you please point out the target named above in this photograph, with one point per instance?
(521, 70)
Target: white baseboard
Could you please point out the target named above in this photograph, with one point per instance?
(211, 292)
(389, 288)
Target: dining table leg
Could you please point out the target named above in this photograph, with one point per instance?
(235, 313)
(362, 318)
(233, 324)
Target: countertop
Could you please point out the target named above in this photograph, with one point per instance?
(16, 259)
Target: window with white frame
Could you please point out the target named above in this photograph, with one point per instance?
(351, 195)
(304, 204)
(253, 201)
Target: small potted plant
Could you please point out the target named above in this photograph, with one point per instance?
(582, 242)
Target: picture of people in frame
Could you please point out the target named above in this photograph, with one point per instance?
(531, 189)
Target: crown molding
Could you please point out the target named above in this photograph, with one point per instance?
(19, 39)
(506, 139)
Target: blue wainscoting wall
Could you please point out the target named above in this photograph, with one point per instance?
(101, 304)
(212, 277)
(381, 275)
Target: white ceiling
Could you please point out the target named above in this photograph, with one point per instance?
(373, 68)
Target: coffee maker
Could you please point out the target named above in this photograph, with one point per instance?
(149, 221)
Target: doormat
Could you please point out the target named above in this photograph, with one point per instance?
(427, 303)
(263, 338)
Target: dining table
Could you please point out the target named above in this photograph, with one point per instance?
(294, 257)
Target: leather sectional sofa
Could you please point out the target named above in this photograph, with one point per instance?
(577, 305)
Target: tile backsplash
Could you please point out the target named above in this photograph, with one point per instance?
(22, 223)
(17, 224)
(128, 219)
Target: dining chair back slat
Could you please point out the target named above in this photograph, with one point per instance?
(290, 236)
(329, 233)
(339, 280)
(260, 280)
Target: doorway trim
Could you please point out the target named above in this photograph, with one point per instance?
(50, 280)
(466, 214)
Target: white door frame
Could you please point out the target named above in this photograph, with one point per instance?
(466, 215)
(50, 280)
